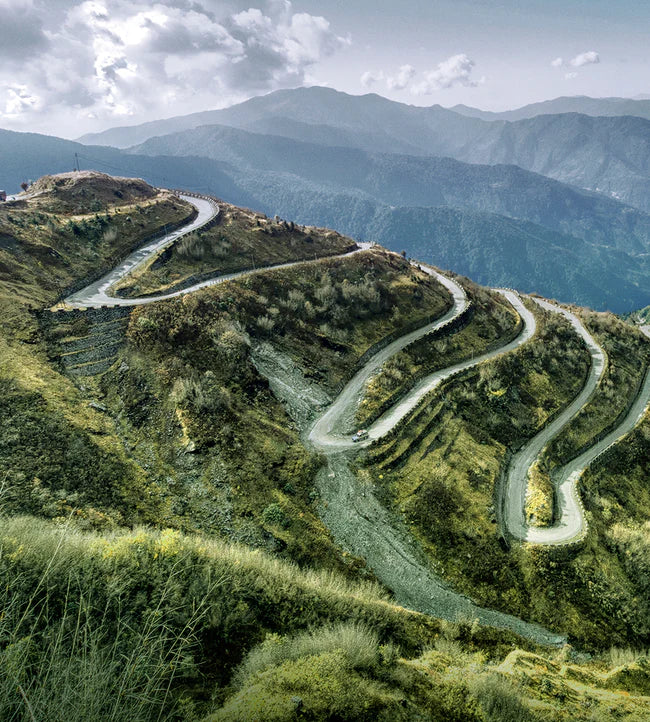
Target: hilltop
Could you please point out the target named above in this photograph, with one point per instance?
(79, 192)
(170, 531)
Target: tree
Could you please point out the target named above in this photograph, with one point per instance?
(24, 186)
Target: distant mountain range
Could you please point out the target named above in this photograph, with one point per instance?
(583, 104)
(499, 224)
(609, 155)
(402, 180)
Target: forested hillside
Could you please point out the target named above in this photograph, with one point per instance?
(571, 245)
(568, 143)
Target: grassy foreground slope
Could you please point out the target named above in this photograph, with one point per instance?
(148, 625)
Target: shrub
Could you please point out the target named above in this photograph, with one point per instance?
(500, 700)
(265, 324)
(323, 674)
(359, 644)
(274, 516)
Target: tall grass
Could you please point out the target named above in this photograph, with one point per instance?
(359, 644)
(64, 658)
(115, 627)
(500, 700)
(621, 656)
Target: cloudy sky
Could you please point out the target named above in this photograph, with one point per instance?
(70, 67)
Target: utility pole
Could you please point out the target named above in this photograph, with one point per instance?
(76, 161)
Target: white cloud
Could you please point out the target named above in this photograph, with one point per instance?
(588, 58)
(557, 63)
(18, 100)
(370, 78)
(21, 31)
(570, 76)
(402, 79)
(455, 71)
(134, 57)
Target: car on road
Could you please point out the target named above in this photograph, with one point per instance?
(360, 435)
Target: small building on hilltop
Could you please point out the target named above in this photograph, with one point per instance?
(3, 195)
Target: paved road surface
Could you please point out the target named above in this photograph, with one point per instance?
(569, 512)
(98, 293)
(571, 523)
(325, 434)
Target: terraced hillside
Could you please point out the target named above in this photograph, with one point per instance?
(208, 416)
(86, 342)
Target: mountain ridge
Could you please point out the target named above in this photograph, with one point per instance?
(584, 104)
(609, 155)
(369, 217)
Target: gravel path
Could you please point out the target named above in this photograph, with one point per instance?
(361, 524)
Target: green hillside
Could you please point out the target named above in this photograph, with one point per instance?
(240, 240)
(442, 470)
(163, 554)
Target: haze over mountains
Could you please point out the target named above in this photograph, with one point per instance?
(567, 104)
(610, 155)
(556, 203)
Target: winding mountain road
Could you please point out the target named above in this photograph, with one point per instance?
(571, 517)
(340, 414)
(571, 524)
(97, 294)
(324, 433)
(354, 515)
